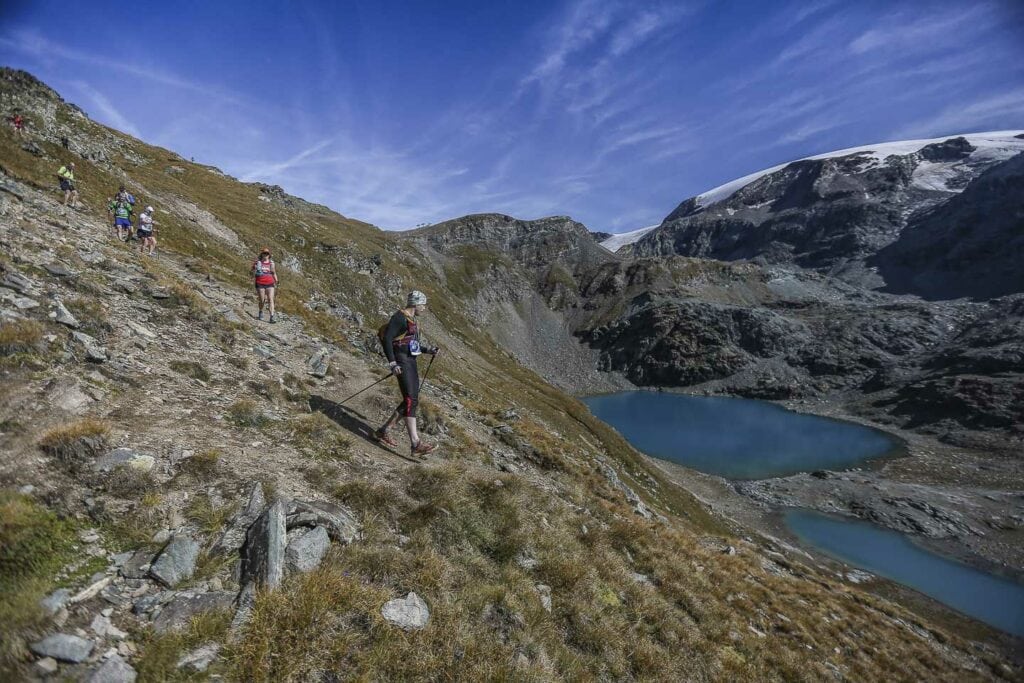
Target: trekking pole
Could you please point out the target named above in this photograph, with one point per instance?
(365, 388)
(427, 371)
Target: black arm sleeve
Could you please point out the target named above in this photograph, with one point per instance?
(396, 326)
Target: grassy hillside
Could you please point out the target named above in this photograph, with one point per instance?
(533, 562)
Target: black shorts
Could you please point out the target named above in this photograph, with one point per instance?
(66, 184)
(259, 287)
(144, 234)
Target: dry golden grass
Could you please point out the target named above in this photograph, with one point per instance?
(246, 413)
(20, 336)
(318, 435)
(700, 615)
(191, 368)
(77, 442)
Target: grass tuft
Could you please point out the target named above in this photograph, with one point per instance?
(245, 413)
(20, 337)
(34, 545)
(73, 444)
(191, 368)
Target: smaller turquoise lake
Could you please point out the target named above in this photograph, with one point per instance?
(992, 599)
(738, 438)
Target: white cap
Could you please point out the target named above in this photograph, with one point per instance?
(149, 208)
(417, 298)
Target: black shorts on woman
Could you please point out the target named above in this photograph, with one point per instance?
(408, 382)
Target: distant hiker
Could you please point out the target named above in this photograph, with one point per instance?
(121, 208)
(401, 341)
(266, 282)
(64, 142)
(146, 231)
(66, 174)
(19, 124)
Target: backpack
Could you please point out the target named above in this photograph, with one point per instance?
(381, 331)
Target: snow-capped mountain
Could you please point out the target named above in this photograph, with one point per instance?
(835, 212)
(988, 147)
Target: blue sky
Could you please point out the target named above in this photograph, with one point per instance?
(402, 113)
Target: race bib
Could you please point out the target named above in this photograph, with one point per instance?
(414, 348)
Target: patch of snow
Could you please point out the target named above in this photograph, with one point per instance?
(616, 242)
(989, 147)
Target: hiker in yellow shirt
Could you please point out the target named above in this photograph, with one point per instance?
(66, 174)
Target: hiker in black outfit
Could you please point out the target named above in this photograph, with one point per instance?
(401, 342)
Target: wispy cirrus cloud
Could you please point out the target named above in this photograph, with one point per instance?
(975, 115)
(107, 109)
(903, 30)
(36, 45)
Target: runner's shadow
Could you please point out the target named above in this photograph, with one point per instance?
(350, 420)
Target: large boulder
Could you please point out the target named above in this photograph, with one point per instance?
(340, 522)
(306, 548)
(177, 613)
(233, 537)
(263, 555)
(176, 562)
(64, 647)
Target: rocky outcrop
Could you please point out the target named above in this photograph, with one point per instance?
(970, 246)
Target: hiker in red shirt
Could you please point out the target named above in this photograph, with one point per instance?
(266, 282)
(19, 124)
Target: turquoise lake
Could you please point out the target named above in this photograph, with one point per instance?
(992, 599)
(738, 438)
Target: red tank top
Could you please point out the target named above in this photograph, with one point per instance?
(264, 272)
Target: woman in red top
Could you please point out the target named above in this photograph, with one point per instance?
(266, 280)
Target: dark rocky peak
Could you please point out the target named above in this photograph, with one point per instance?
(25, 83)
(277, 195)
(952, 149)
(533, 243)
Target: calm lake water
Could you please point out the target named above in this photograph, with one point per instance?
(738, 438)
(994, 600)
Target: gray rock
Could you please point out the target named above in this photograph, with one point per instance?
(104, 628)
(263, 554)
(137, 565)
(176, 562)
(57, 270)
(148, 603)
(94, 351)
(178, 613)
(199, 660)
(47, 666)
(319, 363)
(124, 456)
(55, 601)
(339, 521)
(67, 395)
(64, 316)
(409, 613)
(306, 549)
(23, 303)
(233, 537)
(114, 670)
(63, 647)
(245, 602)
(17, 282)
